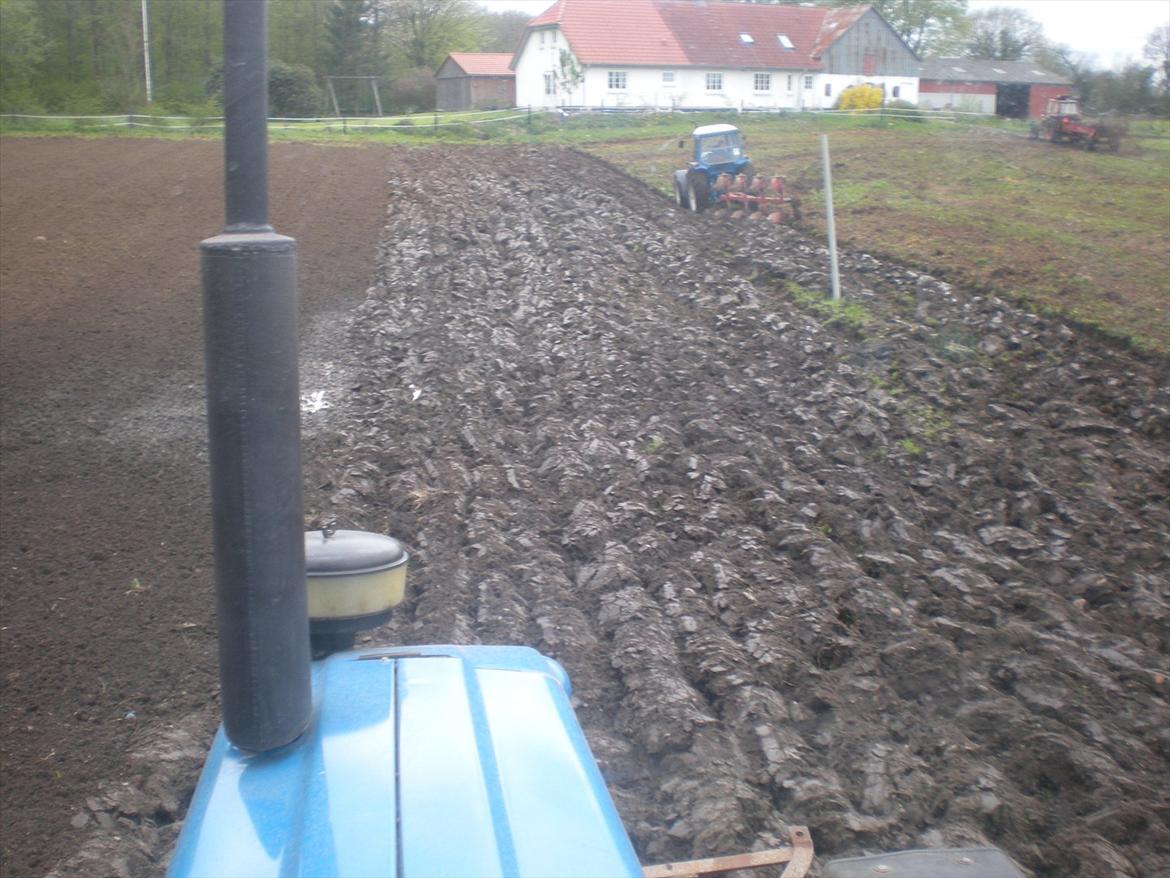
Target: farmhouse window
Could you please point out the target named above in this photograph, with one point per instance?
(668, 77)
(763, 82)
(714, 82)
(617, 80)
(785, 43)
(808, 82)
(549, 84)
(828, 89)
(542, 38)
(790, 82)
(746, 39)
(897, 91)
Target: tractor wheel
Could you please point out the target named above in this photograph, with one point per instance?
(698, 192)
(680, 197)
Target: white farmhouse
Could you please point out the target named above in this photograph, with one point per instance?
(706, 54)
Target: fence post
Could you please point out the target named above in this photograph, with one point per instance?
(530, 117)
(832, 227)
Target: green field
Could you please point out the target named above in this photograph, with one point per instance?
(1081, 233)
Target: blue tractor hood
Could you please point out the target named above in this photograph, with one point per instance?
(419, 761)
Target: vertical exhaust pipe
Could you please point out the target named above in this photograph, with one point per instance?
(253, 400)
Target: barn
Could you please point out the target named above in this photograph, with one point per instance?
(1016, 89)
(475, 81)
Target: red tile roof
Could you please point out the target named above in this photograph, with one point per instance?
(552, 15)
(615, 31)
(698, 34)
(836, 22)
(710, 34)
(483, 63)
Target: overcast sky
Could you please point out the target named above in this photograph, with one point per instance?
(1112, 31)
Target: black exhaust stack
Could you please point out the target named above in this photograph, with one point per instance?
(253, 411)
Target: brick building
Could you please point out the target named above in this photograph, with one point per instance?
(1016, 89)
(474, 81)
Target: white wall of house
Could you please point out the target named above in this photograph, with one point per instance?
(830, 86)
(962, 101)
(689, 88)
(540, 56)
(662, 88)
(613, 86)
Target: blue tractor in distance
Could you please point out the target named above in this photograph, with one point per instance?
(718, 149)
(720, 175)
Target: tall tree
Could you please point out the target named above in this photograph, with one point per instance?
(422, 32)
(186, 40)
(1128, 90)
(1060, 58)
(353, 30)
(1002, 33)
(296, 31)
(22, 48)
(1157, 49)
(502, 31)
(114, 32)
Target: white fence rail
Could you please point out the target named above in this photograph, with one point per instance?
(420, 122)
(412, 122)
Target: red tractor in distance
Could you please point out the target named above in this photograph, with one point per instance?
(1062, 123)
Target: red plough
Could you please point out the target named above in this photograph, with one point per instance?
(754, 198)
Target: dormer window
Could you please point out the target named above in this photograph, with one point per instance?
(746, 39)
(785, 43)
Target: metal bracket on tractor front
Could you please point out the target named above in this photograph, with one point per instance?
(799, 858)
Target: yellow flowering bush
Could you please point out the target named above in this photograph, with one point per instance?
(860, 97)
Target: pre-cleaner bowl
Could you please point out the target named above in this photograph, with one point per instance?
(354, 579)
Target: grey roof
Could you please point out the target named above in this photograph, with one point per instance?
(979, 70)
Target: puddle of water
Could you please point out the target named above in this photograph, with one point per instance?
(314, 402)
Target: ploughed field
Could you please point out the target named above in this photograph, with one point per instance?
(896, 571)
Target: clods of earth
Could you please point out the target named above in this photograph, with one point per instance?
(897, 571)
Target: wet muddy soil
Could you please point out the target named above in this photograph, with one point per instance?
(106, 598)
(897, 572)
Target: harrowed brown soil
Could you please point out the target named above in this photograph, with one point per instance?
(904, 582)
(105, 557)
